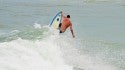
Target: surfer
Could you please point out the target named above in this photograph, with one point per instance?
(65, 24)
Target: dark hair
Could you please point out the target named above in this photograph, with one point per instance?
(68, 16)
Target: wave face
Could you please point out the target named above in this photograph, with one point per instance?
(31, 50)
(42, 48)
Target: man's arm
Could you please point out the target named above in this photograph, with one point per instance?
(72, 31)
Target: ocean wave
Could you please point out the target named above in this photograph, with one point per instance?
(34, 32)
(42, 48)
(31, 55)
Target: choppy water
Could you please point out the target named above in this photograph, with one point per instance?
(27, 43)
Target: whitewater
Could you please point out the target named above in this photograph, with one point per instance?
(22, 54)
(45, 49)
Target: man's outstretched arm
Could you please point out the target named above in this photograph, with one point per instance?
(72, 31)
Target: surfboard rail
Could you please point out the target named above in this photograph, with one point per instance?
(56, 20)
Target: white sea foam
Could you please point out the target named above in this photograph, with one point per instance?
(54, 52)
(31, 55)
(80, 60)
(36, 25)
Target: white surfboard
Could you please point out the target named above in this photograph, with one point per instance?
(56, 20)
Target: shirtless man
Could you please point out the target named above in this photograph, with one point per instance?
(65, 24)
